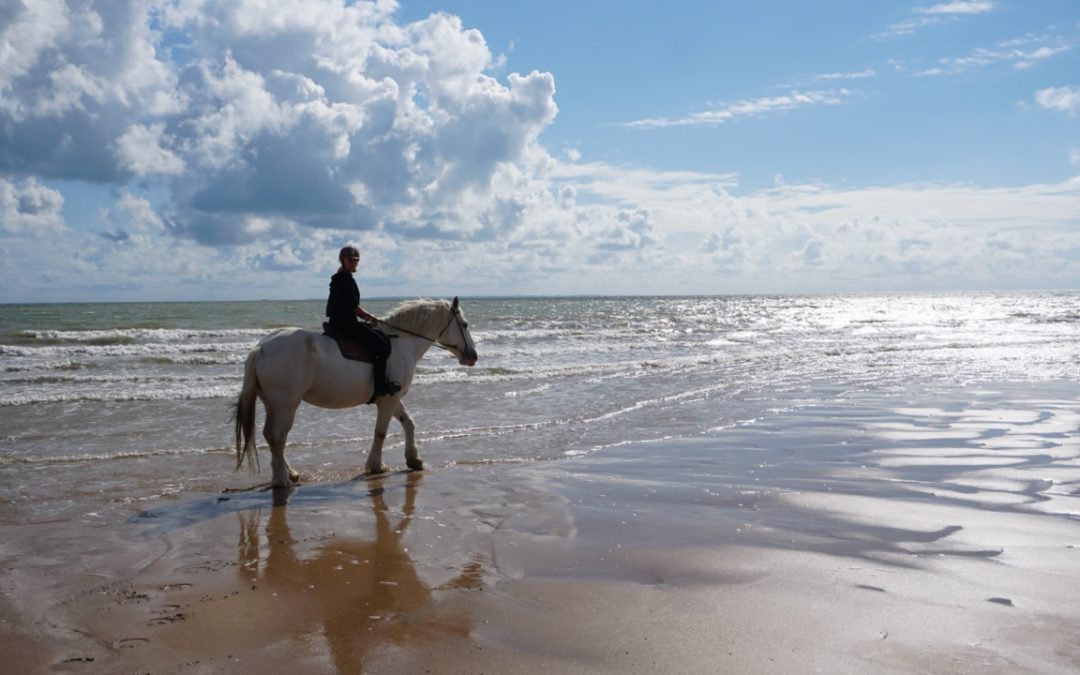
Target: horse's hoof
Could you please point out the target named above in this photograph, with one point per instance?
(376, 470)
(415, 464)
(294, 476)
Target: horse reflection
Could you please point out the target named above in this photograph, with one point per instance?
(366, 594)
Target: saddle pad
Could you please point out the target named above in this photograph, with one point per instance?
(353, 350)
(350, 349)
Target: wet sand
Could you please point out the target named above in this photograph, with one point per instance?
(925, 532)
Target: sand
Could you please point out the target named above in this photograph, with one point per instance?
(922, 533)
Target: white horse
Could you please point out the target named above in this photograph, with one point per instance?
(293, 365)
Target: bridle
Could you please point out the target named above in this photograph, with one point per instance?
(455, 316)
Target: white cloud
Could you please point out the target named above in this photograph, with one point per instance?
(937, 15)
(139, 151)
(751, 108)
(857, 75)
(960, 7)
(816, 237)
(258, 137)
(1074, 156)
(133, 219)
(28, 207)
(73, 78)
(626, 231)
(276, 117)
(1022, 53)
(726, 249)
(1063, 99)
(629, 231)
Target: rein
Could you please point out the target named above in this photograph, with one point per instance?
(434, 340)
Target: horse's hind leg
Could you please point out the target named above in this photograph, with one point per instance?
(279, 420)
(412, 458)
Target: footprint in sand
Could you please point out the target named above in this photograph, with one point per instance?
(168, 588)
(166, 614)
(130, 643)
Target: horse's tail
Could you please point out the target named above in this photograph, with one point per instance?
(244, 414)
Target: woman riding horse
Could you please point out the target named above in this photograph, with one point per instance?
(343, 308)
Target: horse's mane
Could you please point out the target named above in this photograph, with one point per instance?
(418, 316)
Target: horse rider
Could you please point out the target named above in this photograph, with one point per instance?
(345, 313)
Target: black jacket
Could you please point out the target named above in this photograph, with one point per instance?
(344, 298)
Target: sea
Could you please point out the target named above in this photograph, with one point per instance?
(106, 408)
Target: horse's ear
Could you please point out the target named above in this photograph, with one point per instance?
(454, 305)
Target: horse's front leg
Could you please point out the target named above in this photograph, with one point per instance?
(387, 406)
(412, 458)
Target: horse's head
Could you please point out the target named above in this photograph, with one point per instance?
(456, 337)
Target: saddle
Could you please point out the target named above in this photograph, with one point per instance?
(350, 349)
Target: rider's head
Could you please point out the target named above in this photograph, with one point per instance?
(348, 253)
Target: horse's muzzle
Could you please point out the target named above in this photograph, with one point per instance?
(469, 358)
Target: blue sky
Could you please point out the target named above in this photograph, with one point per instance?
(226, 149)
(617, 62)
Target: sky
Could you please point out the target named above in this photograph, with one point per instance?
(157, 150)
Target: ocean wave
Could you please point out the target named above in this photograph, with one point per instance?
(525, 392)
(558, 333)
(201, 359)
(127, 335)
(1067, 317)
(45, 365)
(114, 396)
(587, 370)
(122, 350)
(116, 379)
(107, 456)
(112, 386)
(697, 394)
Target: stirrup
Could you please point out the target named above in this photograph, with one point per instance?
(387, 388)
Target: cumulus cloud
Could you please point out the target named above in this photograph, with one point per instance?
(811, 253)
(934, 232)
(726, 249)
(133, 216)
(243, 142)
(139, 151)
(1062, 99)
(567, 196)
(74, 78)
(28, 207)
(637, 231)
(398, 128)
(630, 231)
(263, 121)
(819, 237)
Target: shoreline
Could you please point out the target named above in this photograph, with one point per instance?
(919, 532)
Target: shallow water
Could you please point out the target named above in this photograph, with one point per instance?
(103, 405)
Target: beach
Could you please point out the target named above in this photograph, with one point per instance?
(932, 529)
(518, 338)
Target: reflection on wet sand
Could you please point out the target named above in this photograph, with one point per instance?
(937, 532)
(366, 594)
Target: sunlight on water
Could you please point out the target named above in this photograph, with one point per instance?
(145, 389)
